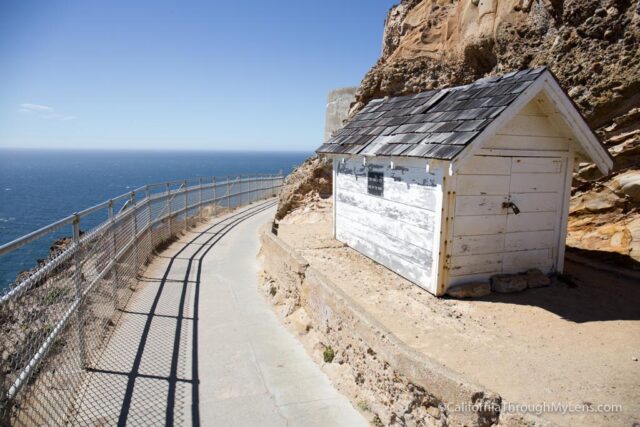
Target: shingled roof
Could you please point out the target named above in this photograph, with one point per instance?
(436, 124)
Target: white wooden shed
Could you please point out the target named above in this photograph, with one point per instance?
(455, 185)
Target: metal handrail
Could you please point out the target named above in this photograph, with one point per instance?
(131, 211)
(34, 235)
(47, 229)
(21, 241)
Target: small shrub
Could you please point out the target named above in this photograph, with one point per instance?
(362, 405)
(377, 421)
(47, 329)
(55, 295)
(328, 354)
(273, 291)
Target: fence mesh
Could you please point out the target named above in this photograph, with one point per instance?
(57, 318)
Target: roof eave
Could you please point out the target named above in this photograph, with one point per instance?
(586, 137)
(565, 107)
(492, 129)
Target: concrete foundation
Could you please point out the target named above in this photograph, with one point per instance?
(398, 385)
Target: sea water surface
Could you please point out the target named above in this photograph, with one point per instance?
(38, 187)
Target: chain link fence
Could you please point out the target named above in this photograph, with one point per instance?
(55, 319)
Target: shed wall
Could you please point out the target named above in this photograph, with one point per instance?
(525, 163)
(398, 229)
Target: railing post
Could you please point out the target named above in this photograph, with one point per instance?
(239, 180)
(256, 187)
(248, 190)
(147, 195)
(77, 282)
(186, 202)
(242, 191)
(270, 185)
(252, 188)
(169, 207)
(134, 208)
(200, 213)
(215, 202)
(113, 256)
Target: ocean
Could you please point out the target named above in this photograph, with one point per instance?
(38, 187)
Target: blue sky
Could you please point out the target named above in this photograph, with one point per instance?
(179, 75)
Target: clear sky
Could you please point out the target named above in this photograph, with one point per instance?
(250, 74)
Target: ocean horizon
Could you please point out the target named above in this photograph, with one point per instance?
(40, 186)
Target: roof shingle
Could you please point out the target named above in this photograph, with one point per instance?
(432, 124)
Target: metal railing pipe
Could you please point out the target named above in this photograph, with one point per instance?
(35, 235)
(81, 267)
(77, 282)
(186, 205)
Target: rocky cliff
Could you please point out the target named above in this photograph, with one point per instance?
(592, 46)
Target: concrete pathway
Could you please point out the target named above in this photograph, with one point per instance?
(197, 344)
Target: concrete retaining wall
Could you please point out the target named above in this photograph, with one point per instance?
(400, 386)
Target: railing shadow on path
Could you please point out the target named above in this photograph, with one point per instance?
(59, 341)
(148, 373)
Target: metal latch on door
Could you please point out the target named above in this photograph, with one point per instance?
(510, 204)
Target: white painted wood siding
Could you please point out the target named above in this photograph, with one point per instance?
(525, 164)
(396, 229)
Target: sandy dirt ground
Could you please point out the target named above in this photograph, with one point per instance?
(574, 343)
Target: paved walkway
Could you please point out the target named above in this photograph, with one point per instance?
(197, 344)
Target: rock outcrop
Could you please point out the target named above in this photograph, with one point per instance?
(311, 180)
(592, 46)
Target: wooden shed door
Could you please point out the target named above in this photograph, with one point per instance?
(536, 192)
(488, 236)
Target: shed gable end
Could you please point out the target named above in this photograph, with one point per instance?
(540, 119)
(531, 129)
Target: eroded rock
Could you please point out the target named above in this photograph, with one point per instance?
(470, 290)
(537, 279)
(311, 179)
(508, 283)
(592, 47)
(628, 184)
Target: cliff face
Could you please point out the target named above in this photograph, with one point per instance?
(592, 46)
(308, 183)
